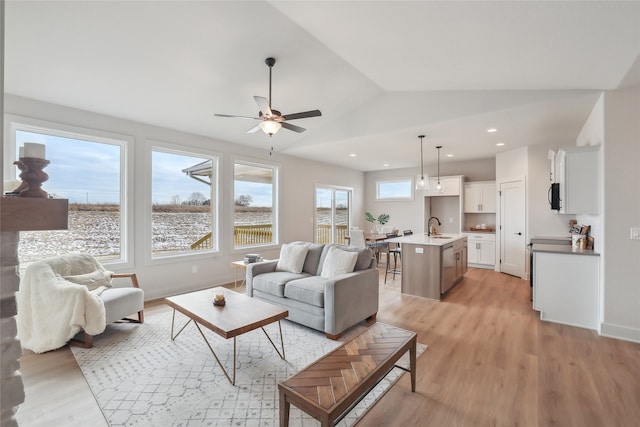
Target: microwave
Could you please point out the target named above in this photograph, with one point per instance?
(554, 196)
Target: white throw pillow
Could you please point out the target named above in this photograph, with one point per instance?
(292, 258)
(92, 280)
(338, 262)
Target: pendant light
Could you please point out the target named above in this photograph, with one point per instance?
(438, 186)
(422, 183)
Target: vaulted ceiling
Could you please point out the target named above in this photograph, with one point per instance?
(381, 72)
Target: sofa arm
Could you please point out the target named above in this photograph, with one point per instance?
(350, 299)
(255, 269)
(132, 276)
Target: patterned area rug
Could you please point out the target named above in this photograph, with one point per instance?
(141, 378)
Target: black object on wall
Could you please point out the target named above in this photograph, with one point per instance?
(554, 196)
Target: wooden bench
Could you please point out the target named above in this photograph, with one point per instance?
(331, 386)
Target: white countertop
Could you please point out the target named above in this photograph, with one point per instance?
(423, 239)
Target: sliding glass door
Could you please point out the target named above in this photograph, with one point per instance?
(333, 206)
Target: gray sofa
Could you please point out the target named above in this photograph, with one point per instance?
(328, 304)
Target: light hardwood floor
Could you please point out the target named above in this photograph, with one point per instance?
(490, 362)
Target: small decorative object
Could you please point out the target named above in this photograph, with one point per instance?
(251, 258)
(32, 162)
(32, 176)
(219, 300)
(382, 219)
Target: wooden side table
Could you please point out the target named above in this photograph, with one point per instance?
(238, 266)
(241, 266)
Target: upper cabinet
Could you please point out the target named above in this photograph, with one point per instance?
(449, 186)
(480, 197)
(577, 171)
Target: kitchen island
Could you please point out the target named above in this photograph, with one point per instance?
(431, 265)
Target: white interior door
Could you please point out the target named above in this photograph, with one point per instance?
(512, 228)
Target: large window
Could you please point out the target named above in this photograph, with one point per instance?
(88, 170)
(184, 203)
(332, 215)
(255, 208)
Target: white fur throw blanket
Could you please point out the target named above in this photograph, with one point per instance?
(52, 309)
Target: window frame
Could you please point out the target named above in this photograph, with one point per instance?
(183, 150)
(380, 182)
(17, 123)
(275, 213)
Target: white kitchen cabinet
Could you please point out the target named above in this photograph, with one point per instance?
(480, 197)
(481, 250)
(449, 186)
(577, 172)
(565, 288)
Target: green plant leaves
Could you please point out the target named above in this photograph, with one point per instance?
(382, 218)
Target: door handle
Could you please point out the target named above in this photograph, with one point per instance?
(519, 234)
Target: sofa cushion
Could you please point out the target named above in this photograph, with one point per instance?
(312, 261)
(273, 283)
(309, 290)
(337, 262)
(292, 258)
(364, 261)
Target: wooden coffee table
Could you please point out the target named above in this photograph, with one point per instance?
(239, 315)
(331, 386)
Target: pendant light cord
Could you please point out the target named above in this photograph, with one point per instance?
(439, 147)
(421, 158)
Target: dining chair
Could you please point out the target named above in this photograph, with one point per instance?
(357, 238)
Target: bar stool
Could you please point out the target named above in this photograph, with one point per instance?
(395, 250)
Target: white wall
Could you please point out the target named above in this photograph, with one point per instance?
(512, 164)
(621, 256)
(160, 278)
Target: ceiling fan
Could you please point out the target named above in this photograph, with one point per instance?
(272, 120)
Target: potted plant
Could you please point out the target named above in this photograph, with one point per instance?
(382, 219)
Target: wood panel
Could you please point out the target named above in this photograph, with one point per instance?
(33, 213)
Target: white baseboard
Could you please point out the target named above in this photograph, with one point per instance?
(485, 266)
(620, 332)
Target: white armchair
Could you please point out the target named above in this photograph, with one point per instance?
(63, 296)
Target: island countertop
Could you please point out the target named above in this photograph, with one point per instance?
(423, 239)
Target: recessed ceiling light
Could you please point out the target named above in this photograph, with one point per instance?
(500, 144)
(352, 155)
(492, 130)
(449, 155)
(386, 165)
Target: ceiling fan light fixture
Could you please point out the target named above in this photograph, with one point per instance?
(270, 126)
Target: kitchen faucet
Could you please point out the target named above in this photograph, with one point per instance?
(429, 227)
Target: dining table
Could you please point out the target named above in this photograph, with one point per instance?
(370, 238)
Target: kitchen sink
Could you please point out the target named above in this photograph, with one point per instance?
(441, 237)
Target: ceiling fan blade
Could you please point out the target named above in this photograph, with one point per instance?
(263, 104)
(313, 113)
(237, 117)
(292, 127)
(254, 129)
